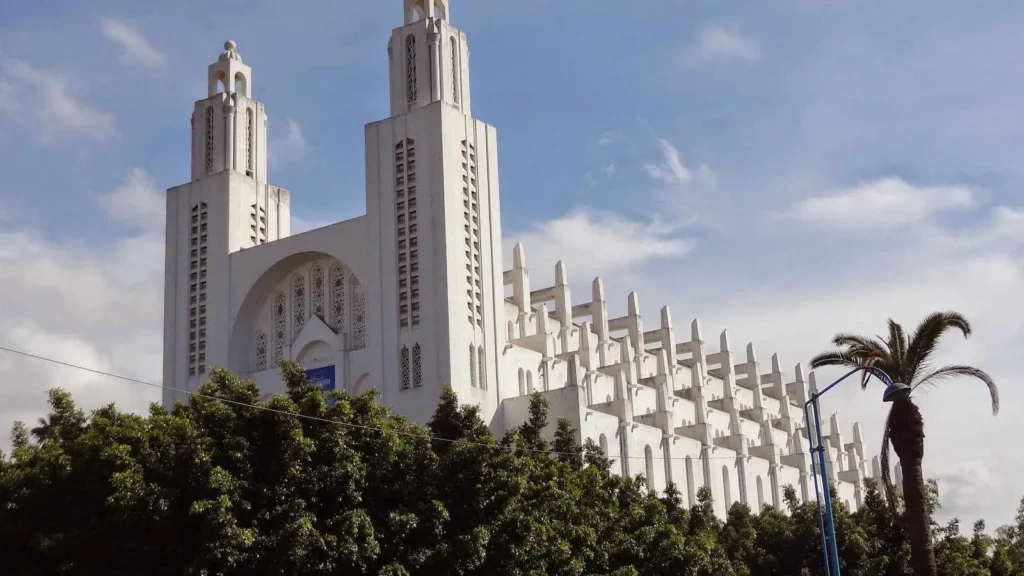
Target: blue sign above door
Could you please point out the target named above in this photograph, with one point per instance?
(322, 377)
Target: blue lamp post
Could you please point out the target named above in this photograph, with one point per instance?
(822, 490)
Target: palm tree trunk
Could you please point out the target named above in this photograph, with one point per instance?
(922, 551)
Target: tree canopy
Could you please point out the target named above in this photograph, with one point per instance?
(231, 484)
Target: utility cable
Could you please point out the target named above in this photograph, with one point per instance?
(326, 420)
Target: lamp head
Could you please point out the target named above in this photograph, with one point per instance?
(894, 391)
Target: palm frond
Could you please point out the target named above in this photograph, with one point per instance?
(897, 345)
(960, 370)
(887, 485)
(833, 358)
(926, 337)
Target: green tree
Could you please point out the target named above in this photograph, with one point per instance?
(906, 359)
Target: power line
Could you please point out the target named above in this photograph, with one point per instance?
(318, 419)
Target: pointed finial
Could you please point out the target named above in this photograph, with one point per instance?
(561, 278)
(812, 383)
(751, 356)
(597, 289)
(776, 365)
(799, 371)
(634, 304)
(518, 256)
(666, 317)
(695, 330)
(856, 433)
(723, 341)
(834, 423)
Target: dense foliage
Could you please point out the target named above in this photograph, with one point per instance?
(229, 484)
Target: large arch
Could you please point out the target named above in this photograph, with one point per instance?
(254, 312)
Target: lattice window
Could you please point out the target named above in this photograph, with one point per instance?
(319, 292)
(261, 350)
(405, 368)
(471, 225)
(417, 367)
(280, 314)
(209, 139)
(455, 71)
(358, 315)
(472, 366)
(248, 140)
(407, 257)
(483, 368)
(298, 305)
(338, 297)
(193, 338)
(411, 92)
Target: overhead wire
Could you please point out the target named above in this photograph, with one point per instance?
(328, 420)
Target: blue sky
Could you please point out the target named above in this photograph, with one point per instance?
(783, 169)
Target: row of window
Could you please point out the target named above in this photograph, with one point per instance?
(408, 261)
(198, 271)
(328, 301)
(250, 159)
(258, 224)
(412, 75)
(471, 225)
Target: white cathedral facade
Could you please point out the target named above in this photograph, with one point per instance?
(414, 294)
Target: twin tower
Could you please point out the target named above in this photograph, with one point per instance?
(393, 299)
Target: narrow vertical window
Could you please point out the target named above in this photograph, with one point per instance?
(482, 366)
(261, 351)
(691, 494)
(405, 368)
(522, 382)
(298, 305)
(358, 315)
(209, 139)
(726, 488)
(649, 461)
(417, 367)
(338, 298)
(472, 366)
(455, 70)
(319, 293)
(248, 141)
(411, 94)
(280, 313)
(760, 494)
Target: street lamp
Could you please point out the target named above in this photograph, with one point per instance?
(893, 391)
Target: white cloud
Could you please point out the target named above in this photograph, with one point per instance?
(136, 201)
(671, 171)
(595, 243)
(290, 147)
(98, 305)
(135, 49)
(42, 103)
(723, 42)
(882, 203)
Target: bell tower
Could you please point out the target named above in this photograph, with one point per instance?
(433, 212)
(226, 207)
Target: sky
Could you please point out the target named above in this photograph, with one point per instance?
(785, 170)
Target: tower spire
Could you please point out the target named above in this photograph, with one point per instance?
(421, 9)
(429, 60)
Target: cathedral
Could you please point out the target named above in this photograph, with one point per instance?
(414, 294)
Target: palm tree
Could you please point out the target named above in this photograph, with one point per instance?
(907, 360)
(42, 432)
